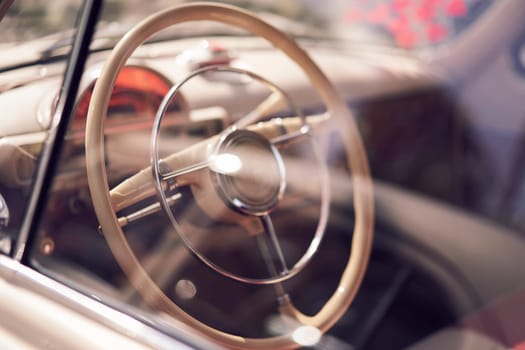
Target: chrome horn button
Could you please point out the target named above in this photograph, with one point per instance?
(248, 172)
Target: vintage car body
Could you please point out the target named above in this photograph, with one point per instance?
(441, 126)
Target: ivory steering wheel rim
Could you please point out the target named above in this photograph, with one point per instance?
(339, 113)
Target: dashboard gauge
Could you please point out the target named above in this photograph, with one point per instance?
(135, 99)
(415, 24)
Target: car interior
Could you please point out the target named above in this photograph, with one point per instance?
(214, 170)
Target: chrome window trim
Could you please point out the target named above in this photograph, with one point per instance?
(19, 276)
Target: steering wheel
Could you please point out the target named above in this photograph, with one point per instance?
(232, 198)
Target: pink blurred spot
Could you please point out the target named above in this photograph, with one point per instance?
(400, 5)
(425, 13)
(381, 14)
(354, 15)
(399, 24)
(406, 38)
(436, 32)
(520, 346)
(434, 3)
(392, 24)
(456, 8)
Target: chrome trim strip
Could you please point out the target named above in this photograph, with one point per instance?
(181, 337)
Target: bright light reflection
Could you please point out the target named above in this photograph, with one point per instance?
(306, 335)
(185, 289)
(226, 163)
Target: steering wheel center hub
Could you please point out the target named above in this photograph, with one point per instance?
(248, 172)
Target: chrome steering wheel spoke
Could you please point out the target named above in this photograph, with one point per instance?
(146, 211)
(288, 138)
(171, 175)
(274, 254)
